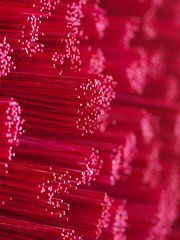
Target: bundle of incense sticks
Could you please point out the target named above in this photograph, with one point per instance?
(90, 119)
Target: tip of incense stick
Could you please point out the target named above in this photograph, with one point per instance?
(129, 148)
(172, 89)
(156, 63)
(153, 170)
(149, 29)
(11, 127)
(94, 165)
(131, 27)
(120, 223)
(164, 219)
(5, 58)
(149, 127)
(97, 19)
(116, 165)
(105, 215)
(96, 64)
(137, 72)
